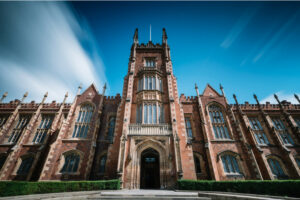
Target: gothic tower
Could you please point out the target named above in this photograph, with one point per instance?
(154, 149)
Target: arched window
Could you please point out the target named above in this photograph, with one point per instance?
(230, 164)
(3, 119)
(17, 131)
(258, 130)
(197, 164)
(297, 161)
(102, 164)
(83, 121)
(25, 165)
(71, 163)
(2, 160)
(43, 128)
(111, 128)
(276, 168)
(218, 122)
(188, 127)
(283, 132)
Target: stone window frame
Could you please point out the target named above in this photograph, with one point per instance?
(36, 128)
(226, 121)
(108, 117)
(238, 160)
(62, 162)
(264, 130)
(141, 82)
(286, 129)
(202, 163)
(3, 155)
(75, 116)
(297, 120)
(15, 123)
(283, 167)
(152, 58)
(4, 118)
(104, 153)
(297, 160)
(160, 111)
(190, 116)
(19, 162)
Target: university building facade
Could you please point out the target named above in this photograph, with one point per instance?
(151, 136)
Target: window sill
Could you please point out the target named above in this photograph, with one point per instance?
(32, 144)
(7, 144)
(223, 140)
(234, 175)
(76, 140)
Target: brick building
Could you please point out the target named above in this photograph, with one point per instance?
(150, 137)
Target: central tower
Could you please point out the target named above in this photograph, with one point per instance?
(154, 150)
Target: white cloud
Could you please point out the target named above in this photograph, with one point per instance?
(282, 96)
(239, 26)
(41, 50)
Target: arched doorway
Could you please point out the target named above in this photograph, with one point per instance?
(150, 177)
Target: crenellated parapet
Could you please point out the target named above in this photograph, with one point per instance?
(267, 106)
(188, 99)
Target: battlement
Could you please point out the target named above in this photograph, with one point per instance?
(113, 98)
(188, 99)
(268, 106)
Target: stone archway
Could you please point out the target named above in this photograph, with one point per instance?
(141, 151)
(150, 172)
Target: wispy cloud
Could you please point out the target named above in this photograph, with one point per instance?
(239, 26)
(282, 96)
(275, 38)
(45, 47)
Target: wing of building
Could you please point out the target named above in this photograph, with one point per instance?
(150, 137)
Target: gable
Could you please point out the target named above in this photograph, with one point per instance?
(210, 91)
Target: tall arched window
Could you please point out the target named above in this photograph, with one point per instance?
(83, 120)
(188, 127)
(102, 164)
(111, 128)
(71, 163)
(43, 128)
(2, 160)
(276, 168)
(283, 132)
(17, 131)
(259, 133)
(197, 164)
(25, 165)
(3, 119)
(218, 122)
(230, 164)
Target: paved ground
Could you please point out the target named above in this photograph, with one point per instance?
(143, 194)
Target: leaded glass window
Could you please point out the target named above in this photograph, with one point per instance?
(276, 168)
(3, 119)
(25, 165)
(283, 132)
(102, 164)
(43, 128)
(111, 128)
(258, 130)
(230, 164)
(71, 163)
(297, 120)
(83, 121)
(2, 160)
(197, 164)
(17, 131)
(150, 63)
(218, 122)
(188, 127)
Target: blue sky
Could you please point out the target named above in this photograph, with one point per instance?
(248, 47)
